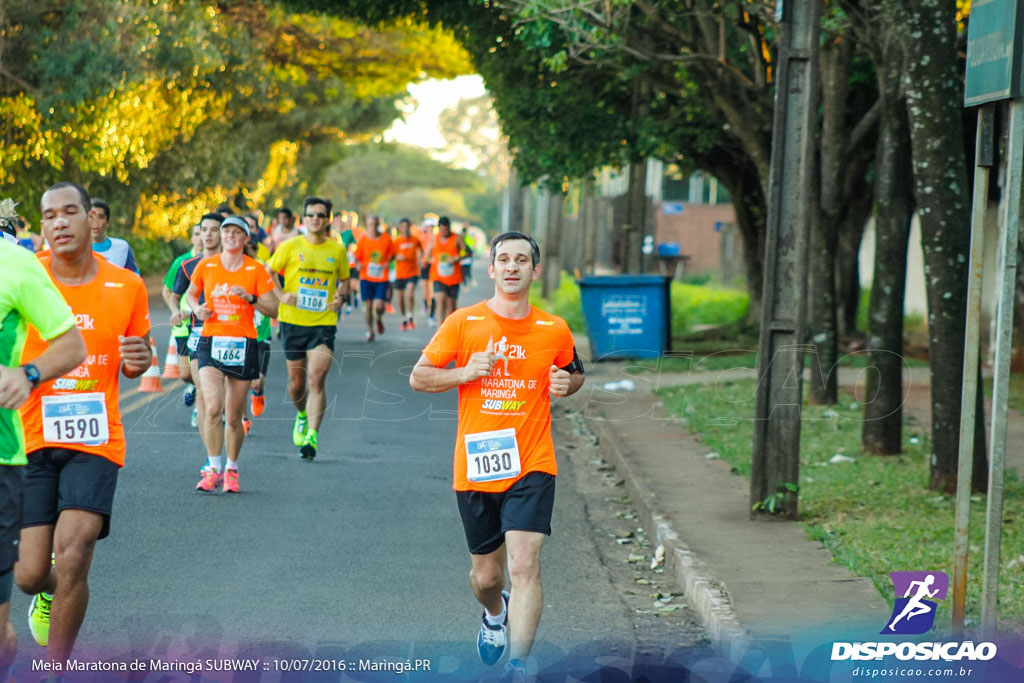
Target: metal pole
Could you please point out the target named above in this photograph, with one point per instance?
(775, 465)
(984, 153)
(1009, 231)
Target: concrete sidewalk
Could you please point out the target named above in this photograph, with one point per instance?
(746, 581)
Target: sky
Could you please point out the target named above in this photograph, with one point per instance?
(427, 100)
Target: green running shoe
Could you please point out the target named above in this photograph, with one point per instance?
(39, 618)
(308, 450)
(299, 430)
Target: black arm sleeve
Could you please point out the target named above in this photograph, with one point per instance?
(576, 366)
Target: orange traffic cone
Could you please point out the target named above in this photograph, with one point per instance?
(151, 380)
(171, 361)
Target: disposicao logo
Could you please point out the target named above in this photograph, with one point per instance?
(914, 613)
(918, 597)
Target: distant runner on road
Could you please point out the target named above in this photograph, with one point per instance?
(316, 282)
(234, 286)
(374, 252)
(408, 253)
(115, 250)
(504, 468)
(445, 256)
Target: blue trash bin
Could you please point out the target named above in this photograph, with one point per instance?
(627, 316)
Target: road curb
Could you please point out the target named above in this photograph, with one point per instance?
(704, 594)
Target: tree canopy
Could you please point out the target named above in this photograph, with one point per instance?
(168, 108)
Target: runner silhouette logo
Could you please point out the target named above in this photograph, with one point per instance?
(916, 602)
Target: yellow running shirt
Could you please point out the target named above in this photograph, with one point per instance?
(312, 273)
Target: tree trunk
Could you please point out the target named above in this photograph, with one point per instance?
(851, 232)
(552, 271)
(588, 223)
(826, 216)
(934, 101)
(514, 197)
(882, 430)
(739, 175)
(635, 217)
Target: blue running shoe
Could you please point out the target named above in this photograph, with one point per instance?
(491, 640)
(189, 395)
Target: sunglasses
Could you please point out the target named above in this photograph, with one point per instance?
(316, 215)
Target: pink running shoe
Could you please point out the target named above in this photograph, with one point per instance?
(231, 481)
(210, 481)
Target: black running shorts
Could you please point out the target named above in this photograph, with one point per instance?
(10, 515)
(247, 369)
(448, 290)
(402, 283)
(263, 349)
(181, 344)
(59, 479)
(526, 506)
(299, 339)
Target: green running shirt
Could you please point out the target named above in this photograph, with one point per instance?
(27, 296)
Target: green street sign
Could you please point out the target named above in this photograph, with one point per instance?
(993, 51)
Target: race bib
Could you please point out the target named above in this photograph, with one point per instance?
(374, 270)
(228, 350)
(193, 339)
(446, 268)
(492, 455)
(311, 299)
(76, 418)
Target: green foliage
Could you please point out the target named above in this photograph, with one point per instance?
(691, 305)
(564, 302)
(167, 108)
(876, 514)
(694, 305)
(775, 503)
(369, 171)
(152, 254)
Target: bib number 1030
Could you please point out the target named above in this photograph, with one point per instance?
(492, 455)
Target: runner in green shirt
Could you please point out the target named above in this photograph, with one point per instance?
(27, 296)
(180, 319)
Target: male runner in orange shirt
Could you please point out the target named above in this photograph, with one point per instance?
(374, 252)
(510, 359)
(408, 252)
(73, 433)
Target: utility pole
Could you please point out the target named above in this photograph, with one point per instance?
(995, 43)
(775, 470)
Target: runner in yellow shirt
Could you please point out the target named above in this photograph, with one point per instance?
(316, 283)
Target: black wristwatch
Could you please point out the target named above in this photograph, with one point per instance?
(32, 373)
(253, 300)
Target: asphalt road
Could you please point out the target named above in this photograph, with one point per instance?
(359, 554)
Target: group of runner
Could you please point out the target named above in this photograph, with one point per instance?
(81, 320)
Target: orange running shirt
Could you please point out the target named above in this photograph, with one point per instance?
(444, 260)
(232, 315)
(407, 252)
(113, 304)
(373, 256)
(514, 397)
